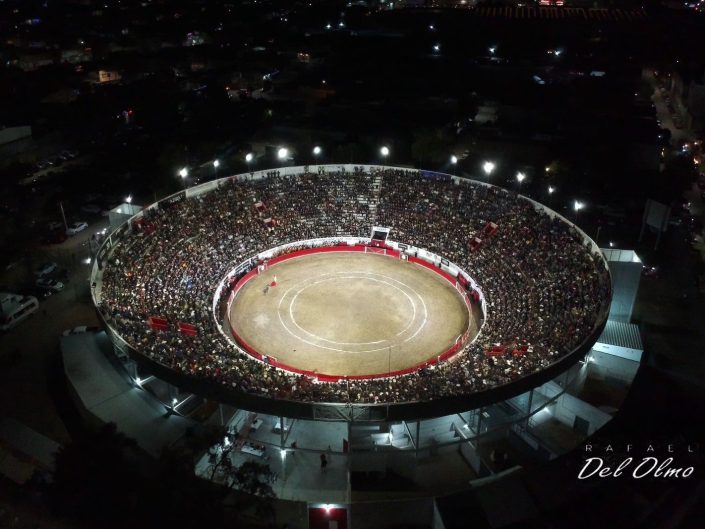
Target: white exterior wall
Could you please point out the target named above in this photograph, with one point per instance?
(567, 407)
(606, 365)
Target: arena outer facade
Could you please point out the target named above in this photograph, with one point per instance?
(383, 411)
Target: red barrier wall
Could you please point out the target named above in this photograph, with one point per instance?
(322, 377)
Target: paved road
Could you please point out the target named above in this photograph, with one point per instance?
(663, 114)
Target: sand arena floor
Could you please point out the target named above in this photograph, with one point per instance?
(350, 313)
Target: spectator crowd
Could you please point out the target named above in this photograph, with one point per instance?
(545, 289)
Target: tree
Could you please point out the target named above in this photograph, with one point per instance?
(97, 477)
(250, 482)
(429, 147)
(103, 479)
(252, 478)
(179, 498)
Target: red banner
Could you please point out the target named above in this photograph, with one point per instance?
(187, 329)
(497, 350)
(490, 229)
(157, 323)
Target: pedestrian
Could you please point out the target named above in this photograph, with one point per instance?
(266, 289)
(324, 462)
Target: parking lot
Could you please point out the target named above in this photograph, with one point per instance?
(663, 113)
(29, 352)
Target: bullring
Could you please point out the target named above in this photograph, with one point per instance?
(539, 286)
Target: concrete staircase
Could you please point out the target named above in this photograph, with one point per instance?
(374, 200)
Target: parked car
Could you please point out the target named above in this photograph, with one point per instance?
(649, 272)
(50, 284)
(17, 310)
(45, 269)
(76, 227)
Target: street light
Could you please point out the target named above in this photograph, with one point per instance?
(520, 177)
(493, 49)
(488, 167)
(128, 199)
(551, 190)
(248, 157)
(316, 150)
(577, 205)
(216, 163)
(384, 151)
(283, 153)
(183, 173)
(453, 159)
(436, 48)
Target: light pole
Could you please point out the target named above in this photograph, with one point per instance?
(128, 199)
(384, 151)
(453, 159)
(577, 206)
(216, 164)
(316, 153)
(183, 173)
(520, 178)
(63, 216)
(551, 190)
(488, 167)
(283, 153)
